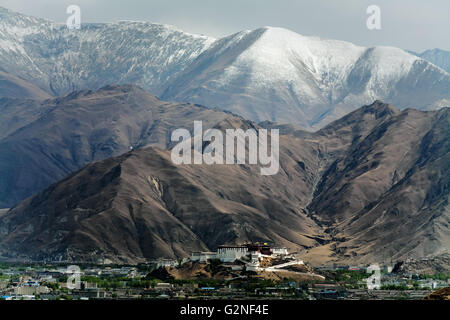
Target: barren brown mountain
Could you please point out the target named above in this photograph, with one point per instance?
(12, 86)
(387, 196)
(43, 141)
(370, 187)
(140, 206)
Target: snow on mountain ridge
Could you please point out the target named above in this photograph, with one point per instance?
(278, 75)
(59, 60)
(278, 53)
(263, 74)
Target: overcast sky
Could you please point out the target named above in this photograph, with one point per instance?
(409, 24)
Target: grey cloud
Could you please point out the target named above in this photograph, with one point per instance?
(409, 24)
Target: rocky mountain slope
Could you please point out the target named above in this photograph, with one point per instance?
(439, 57)
(140, 206)
(370, 187)
(278, 75)
(265, 74)
(43, 141)
(14, 87)
(59, 60)
(441, 294)
(388, 195)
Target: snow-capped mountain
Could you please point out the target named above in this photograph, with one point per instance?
(439, 57)
(278, 75)
(60, 60)
(265, 74)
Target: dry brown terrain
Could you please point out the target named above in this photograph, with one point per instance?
(12, 86)
(439, 264)
(441, 294)
(282, 275)
(370, 187)
(195, 270)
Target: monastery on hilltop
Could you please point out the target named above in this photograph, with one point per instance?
(251, 254)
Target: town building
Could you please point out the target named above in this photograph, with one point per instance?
(231, 253)
(202, 256)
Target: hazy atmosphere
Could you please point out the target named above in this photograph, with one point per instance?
(410, 24)
(206, 159)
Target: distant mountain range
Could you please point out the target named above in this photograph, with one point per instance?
(266, 74)
(370, 187)
(85, 144)
(439, 57)
(275, 74)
